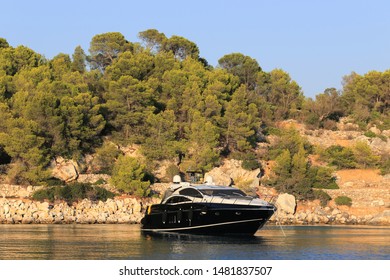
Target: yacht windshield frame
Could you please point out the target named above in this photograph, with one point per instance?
(223, 192)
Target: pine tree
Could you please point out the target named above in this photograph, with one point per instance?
(240, 122)
(79, 60)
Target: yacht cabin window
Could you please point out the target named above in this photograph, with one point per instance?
(177, 199)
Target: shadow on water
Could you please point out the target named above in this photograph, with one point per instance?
(209, 239)
(187, 246)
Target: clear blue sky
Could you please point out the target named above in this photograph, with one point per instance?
(316, 42)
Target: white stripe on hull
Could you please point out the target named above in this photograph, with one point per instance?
(203, 226)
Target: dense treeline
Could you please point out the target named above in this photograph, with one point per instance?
(159, 93)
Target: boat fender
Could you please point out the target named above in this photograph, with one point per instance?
(149, 210)
(164, 216)
(179, 215)
(190, 214)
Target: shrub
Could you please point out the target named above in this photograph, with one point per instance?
(54, 182)
(322, 196)
(321, 178)
(291, 140)
(369, 134)
(44, 194)
(171, 171)
(250, 162)
(364, 156)
(105, 159)
(385, 164)
(130, 176)
(101, 181)
(100, 194)
(330, 124)
(343, 200)
(382, 137)
(72, 193)
(339, 156)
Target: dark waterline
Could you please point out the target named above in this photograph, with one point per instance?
(94, 242)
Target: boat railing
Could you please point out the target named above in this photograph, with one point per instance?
(267, 198)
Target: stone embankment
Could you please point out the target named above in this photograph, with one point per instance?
(329, 215)
(7, 190)
(118, 210)
(304, 213)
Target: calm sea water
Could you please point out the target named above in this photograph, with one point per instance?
(93, 242)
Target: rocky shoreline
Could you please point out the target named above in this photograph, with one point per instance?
(118, 210)
(330, 216)
(123, 210)
(17, 207)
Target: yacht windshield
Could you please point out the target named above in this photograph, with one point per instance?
(191, 192)
(211, 192)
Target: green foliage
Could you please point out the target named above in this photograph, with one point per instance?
(104, 48)
(325, 110)
(72, 193)
(161, 141)
(242, 66)
(240, 122)
(82, 123)
(79, 60)
(100, 182)
(152, 39)
(51, 182)
(171, 171)
(292, 171)
(385, 164)
(250, 163)
(129, 102)
(366, 96)
(3, 43)
(322, 196)
(105, 158)
(369, 134)
(343, 200)
(21, 142)
(202, 143)
(161, 95)
(282, 167)
(322, 178)
(181, 47)
(283, 94)
(364, 156)
(130, 176)
(341, 157)
(289, 139)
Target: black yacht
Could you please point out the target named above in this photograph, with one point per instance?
(206, 209)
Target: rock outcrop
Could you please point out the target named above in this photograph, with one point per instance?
(286, 203)
(232, 172)
(65, 170)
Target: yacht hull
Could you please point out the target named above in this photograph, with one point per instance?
(209, 219)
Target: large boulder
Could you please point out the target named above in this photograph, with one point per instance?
(286, 202)
(65, 170)
(381, 218)
(232, 172)
(379, 145)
